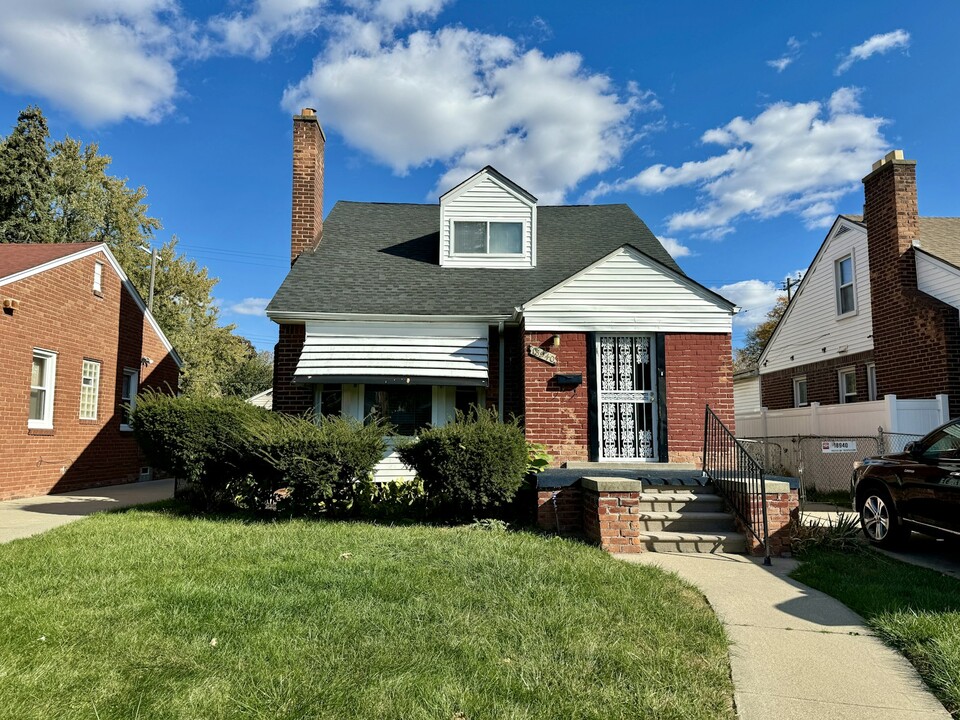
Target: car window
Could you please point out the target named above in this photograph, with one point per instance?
(944, 444)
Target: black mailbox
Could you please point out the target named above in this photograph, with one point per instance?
(568, 381)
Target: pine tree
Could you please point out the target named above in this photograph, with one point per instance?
(25, 181)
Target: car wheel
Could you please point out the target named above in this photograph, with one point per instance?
(879, 520)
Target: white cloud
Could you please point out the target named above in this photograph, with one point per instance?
(467, 99)
(788, 159)
(754, 297)
(876, 45)
(254, 31)
(250, 306)
(785, 60)
(675, 247)
(103, 61)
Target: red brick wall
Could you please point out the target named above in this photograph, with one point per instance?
(555, 416)
(290, 397)
(915, 336)
(699, 371)
(823, 382)
(60, 312)
(308, 145)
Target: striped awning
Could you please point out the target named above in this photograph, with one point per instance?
(395, 353)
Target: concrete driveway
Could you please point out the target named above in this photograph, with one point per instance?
(29, 516)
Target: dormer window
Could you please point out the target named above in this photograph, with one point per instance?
(487, 238)
(488, 221)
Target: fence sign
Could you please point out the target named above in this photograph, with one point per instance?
(838, 446)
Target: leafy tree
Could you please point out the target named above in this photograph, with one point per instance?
(62, 192)
(252, 376)
(25, 181)
(746, 358)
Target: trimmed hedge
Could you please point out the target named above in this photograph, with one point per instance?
(471, 467)
(233, 453)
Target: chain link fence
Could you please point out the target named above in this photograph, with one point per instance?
(823, 464)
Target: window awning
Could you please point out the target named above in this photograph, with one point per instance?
(394, 353)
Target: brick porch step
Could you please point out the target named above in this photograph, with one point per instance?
(693, 542)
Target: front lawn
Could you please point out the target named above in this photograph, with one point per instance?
(914, 609)
(151, 614)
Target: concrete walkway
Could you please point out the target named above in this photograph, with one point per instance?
(797, 653)
(29, 516)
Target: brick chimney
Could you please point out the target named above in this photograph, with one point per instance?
(308, 142)
(916, 338)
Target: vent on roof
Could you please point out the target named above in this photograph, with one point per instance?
(843, 229)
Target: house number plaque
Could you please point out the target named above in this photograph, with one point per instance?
(541, 354)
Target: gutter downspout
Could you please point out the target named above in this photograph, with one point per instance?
(500, 373)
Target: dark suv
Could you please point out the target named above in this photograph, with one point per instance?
(918, 489)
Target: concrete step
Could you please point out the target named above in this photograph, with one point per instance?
(693, 542)
(673, 489)
(638, 465)
(683, 521)
(679, 502)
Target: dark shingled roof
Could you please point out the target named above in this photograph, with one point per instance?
(939, 236)
(383, 258)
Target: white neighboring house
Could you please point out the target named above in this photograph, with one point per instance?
(263, 399)
(876, 314)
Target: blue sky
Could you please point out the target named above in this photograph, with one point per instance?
(737, 131)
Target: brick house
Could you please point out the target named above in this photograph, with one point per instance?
(573, 318)
(877, 312)
(76, 345)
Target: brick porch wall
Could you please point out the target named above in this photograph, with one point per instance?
(288, 396)
(555, 416)
(699, 371)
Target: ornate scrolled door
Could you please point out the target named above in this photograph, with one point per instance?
(627, 397)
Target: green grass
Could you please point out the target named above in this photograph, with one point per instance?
(116, 616)
(914, 609)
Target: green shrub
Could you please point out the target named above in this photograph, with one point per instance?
(321, 468)
(200, 440)
(392, 501)
(471, 467)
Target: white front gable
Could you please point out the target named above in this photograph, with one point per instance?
(488, 222)
(819, 324)
(627, 291)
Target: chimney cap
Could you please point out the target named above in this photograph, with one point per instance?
(892, 155)
(311, 112)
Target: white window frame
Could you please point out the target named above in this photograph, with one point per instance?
(871, 381)
(514, 221)
(852, 284)
(796, 394)
(98, 277)
(132, 399)
(49, 388)
(841, 374)
(94, 385)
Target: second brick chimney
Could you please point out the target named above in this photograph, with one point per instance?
(916, 337)
(308, 144)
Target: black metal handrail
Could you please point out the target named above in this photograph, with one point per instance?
(738, 478)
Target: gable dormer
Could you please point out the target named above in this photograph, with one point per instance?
(488, 221)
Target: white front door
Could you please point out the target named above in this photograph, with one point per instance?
(627, 397)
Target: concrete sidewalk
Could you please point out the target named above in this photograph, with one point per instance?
(29, 516)
(797, 653)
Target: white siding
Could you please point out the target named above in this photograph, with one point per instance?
(342, 350)
(938, 279)
(626, 291)
(811, 323)
(487, 200)
(746, 394)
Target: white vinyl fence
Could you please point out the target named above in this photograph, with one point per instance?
(891, 414)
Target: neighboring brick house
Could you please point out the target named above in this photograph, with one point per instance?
(76, 345)
(573, 318)
(877, 312)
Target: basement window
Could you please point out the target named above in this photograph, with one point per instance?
(487, 238)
